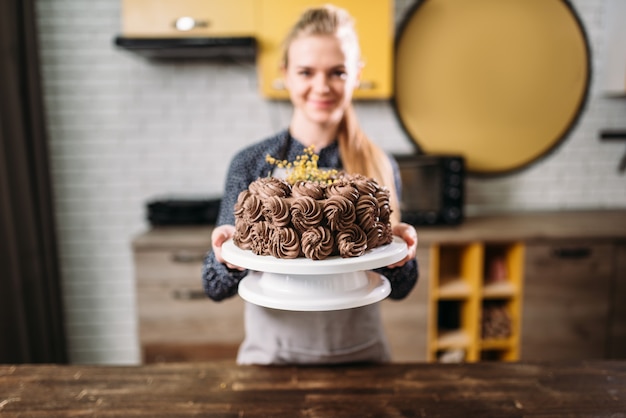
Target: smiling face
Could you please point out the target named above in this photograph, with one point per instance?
(320, 76)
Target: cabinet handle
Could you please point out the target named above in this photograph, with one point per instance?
(186, 23)
(366, 85)
(187, 257)
(188, 294)
(279, 84)
(572, 253)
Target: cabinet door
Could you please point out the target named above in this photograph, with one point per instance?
(176, 320)
(566, 302)
(157, 18)
(374, 24)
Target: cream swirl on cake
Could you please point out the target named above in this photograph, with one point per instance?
(241, 198)
(339, 212)
(375, 235)
(241, 237)
(284, 243)
(367, 211)
(317, 243)
(252, 209)
(307, 188)
(306, 213)
(387, 235)
(276, 211)
(382, 195)
(364, 185)
(342, 187)
(351, 242)
(260, 238)
(270, 186)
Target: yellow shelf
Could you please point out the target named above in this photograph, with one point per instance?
(497, 344)
(459, 295)
(453, 339)
(454, 289)
(500, 290)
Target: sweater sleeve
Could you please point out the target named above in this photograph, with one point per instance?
(402, 279)
(220, 282)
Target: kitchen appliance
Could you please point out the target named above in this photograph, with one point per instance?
(433, 189)
(175, 210)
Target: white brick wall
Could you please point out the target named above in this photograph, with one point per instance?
(123, 129)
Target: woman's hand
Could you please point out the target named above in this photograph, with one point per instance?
(219, 236)
(409, 235)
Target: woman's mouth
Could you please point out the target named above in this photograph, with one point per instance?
(321, 104)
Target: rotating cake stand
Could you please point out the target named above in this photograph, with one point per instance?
(302, 284)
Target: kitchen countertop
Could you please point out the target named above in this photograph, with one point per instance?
(590, 388)
(533, 226)
(523, 226)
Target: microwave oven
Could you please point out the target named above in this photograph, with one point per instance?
(433, 189)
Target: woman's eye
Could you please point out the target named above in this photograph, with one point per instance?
(304, 73)
(340, 74)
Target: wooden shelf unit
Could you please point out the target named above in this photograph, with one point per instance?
(475, 301)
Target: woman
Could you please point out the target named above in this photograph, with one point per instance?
(321, 68)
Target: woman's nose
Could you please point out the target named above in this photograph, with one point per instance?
(321, 83)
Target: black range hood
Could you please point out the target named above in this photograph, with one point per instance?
(191, 47)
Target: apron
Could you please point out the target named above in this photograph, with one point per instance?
(276, 336)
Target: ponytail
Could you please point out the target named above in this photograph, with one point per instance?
(361, 156)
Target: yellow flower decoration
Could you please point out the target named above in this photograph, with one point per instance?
(304, 168)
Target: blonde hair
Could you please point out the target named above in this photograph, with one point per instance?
(358, 153)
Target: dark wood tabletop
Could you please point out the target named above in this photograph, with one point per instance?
(223, 389)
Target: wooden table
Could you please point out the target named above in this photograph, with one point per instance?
(223, 389)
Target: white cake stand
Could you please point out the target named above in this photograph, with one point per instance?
(315, 285)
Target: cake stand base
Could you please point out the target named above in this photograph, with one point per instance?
(315, 285)
(314, 293)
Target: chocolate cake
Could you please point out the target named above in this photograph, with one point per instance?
(342, 216)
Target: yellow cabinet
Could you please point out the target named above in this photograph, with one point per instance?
(374, 24)
(188, 18)
(268, 22)
(475, 301)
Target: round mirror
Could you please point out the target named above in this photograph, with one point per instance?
(499, 82)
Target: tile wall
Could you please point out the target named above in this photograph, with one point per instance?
(124, 130)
